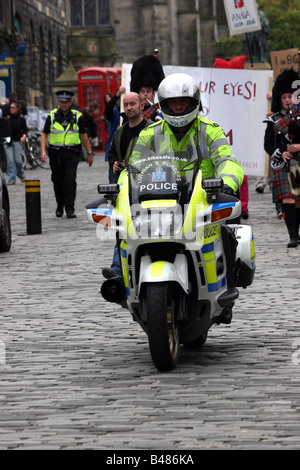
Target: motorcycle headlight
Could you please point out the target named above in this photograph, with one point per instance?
(158, 224)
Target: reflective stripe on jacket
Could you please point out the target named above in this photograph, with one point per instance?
(217, 158)
(64, 137)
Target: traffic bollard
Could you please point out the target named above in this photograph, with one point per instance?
(33, 207)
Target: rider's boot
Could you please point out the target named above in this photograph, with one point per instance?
(108, 273)
(226, 316)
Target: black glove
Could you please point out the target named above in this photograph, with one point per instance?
(226, 189)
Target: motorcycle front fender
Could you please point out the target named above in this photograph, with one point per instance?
(164, 271)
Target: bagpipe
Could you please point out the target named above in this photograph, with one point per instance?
(284, 137)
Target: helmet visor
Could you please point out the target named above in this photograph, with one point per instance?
(178, 106)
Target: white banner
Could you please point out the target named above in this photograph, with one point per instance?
(237, 101)
(242, 16)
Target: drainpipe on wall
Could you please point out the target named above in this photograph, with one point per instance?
(198, 33)
(173, 31)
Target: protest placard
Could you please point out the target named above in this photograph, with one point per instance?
(242, 16)
(284, 59)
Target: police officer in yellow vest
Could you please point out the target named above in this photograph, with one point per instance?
(66, 131)
(180, 102)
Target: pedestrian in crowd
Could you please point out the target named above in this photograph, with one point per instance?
(132, 104)
(6, 108)
(66, 131)
(23, 107)
(13, 150)
(150, 109)
(90, 126)
(112, 115)
(107, 98)
(146, 75)
(261, 183)
(282, 143)
(74, 104)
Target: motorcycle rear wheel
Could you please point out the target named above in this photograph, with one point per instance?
(163, 331)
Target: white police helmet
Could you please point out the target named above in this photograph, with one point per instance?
(179, 85)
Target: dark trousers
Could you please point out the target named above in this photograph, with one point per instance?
(63, 165)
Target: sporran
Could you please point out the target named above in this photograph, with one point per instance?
(294, 177)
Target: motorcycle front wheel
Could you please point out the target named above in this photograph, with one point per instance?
(163, 331)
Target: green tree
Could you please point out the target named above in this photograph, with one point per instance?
(284, 21)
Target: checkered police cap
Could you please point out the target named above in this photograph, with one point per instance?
(64, 95)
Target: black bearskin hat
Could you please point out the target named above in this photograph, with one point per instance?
(146, 71)
(283, 84)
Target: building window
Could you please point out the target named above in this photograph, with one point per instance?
(89, 13)
(17, 26)
(1, 14)
(85, 13)
(76, 13)
(103, 12)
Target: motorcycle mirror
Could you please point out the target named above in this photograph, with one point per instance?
(212, 183)
(108, 188)
(5, 134)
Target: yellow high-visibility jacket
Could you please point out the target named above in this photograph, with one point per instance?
(64, 137)
(217, 158)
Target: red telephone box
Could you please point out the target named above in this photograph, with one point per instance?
(93, 84)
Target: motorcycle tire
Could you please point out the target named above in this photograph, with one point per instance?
(163, 332)
(5, 229)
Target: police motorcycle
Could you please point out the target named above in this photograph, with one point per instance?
(182, 260)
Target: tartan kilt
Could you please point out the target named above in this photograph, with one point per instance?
(281, 187)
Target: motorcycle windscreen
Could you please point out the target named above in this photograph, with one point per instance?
(161, 167)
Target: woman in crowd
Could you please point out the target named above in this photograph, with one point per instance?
(282, 143)
(13, 150)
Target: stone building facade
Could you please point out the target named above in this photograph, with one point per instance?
(109, 32)
(42, 24)
(47, 36)
(36, 45)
